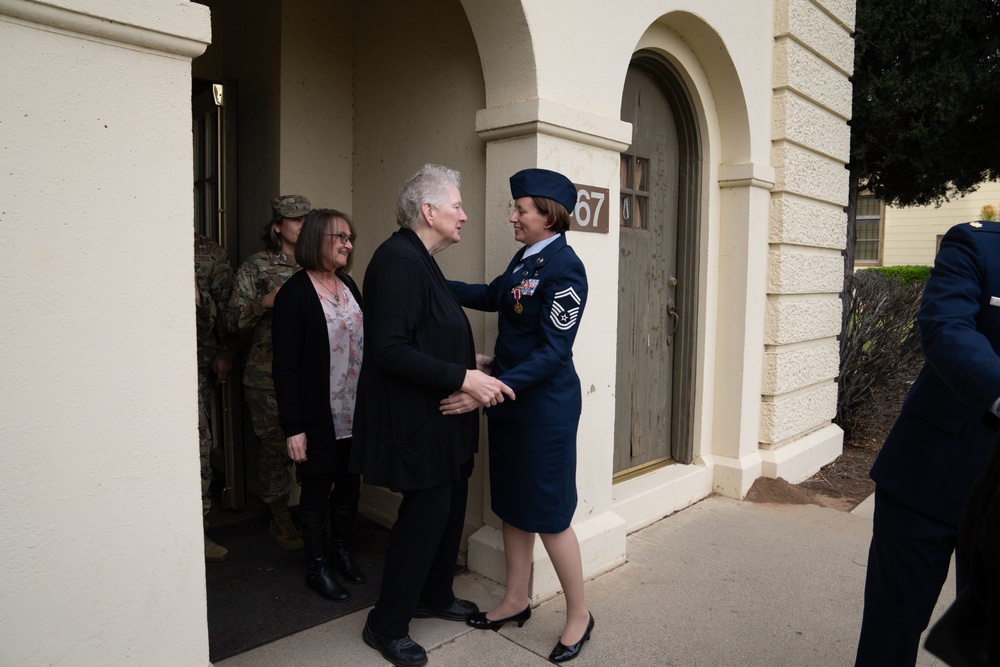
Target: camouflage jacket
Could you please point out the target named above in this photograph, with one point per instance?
(246, 314)
(214, 276)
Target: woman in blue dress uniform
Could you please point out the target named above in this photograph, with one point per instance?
(539, 298)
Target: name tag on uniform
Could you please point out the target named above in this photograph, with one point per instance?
(528, 287)
(995, 300)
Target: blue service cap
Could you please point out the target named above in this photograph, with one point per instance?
(544, 183)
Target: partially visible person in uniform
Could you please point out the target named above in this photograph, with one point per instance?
(213, 285)
(418, 350)
(936, 448)
(257, 283)
(540, 298)
(318, 346)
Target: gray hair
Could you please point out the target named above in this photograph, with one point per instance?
(429, 185)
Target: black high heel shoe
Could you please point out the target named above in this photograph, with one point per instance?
(480, 622)
(563, 653)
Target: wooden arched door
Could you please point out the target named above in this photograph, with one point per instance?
(656, 184)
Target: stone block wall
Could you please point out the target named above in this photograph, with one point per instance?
(814, 54)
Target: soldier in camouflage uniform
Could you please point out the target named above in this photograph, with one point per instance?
(257, 282)
(213, 287)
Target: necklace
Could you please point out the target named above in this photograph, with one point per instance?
(334, 292)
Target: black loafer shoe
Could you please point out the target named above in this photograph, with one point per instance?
(480, 622)
(563, 653)
(402, 652)
(458, 610)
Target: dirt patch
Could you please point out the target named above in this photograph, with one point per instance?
(844, 483)
(769, 490)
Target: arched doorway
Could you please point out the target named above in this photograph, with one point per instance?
(657, 277)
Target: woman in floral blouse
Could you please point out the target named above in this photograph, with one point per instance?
(318, 343)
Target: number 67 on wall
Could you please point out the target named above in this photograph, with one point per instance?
(590, 213)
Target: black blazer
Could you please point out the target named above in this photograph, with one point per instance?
(301, 365)
(418, 346)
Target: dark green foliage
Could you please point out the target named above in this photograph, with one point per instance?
(882, 339)
(907, 274)
(926, 108)
(926, 98)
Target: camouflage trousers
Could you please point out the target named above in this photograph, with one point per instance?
(274, 472)
(205, 437)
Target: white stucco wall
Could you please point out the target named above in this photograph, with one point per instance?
(99, 497)
(317, 102)
(814, 56)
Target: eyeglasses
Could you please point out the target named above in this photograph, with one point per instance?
(344, 238)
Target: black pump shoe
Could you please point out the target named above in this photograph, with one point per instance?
(562, 653)
(480, 622)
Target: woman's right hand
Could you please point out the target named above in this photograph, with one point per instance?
(486, 389)
(296, 447)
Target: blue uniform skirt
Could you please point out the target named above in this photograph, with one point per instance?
(533, 474)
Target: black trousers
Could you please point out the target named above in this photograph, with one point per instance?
(907, 565)
(423, 551)
(316, 486)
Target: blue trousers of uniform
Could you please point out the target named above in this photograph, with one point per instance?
(907, 565)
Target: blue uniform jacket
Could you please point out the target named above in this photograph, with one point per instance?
(534, 348)
(945, 430)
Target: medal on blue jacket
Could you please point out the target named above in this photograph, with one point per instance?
(528, 286)
(518, 308)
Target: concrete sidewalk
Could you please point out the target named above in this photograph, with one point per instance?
(723, 583)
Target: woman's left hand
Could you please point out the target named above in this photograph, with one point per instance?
(459, 403)
(296, 447)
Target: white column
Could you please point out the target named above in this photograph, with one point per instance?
(102, 550)
(585, 147)
(744, 205)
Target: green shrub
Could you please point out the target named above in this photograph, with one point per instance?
(882, 340)
(906, 274)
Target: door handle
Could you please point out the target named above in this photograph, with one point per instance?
(675, 319)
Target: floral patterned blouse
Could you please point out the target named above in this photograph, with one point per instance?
(344, 328)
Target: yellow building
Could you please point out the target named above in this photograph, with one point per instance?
(894, 236)
(708, 138)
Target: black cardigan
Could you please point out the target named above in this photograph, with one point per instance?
(300, 366)
(418, 346)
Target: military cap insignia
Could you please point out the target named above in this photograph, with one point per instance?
(565, 309)
(976, 224)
